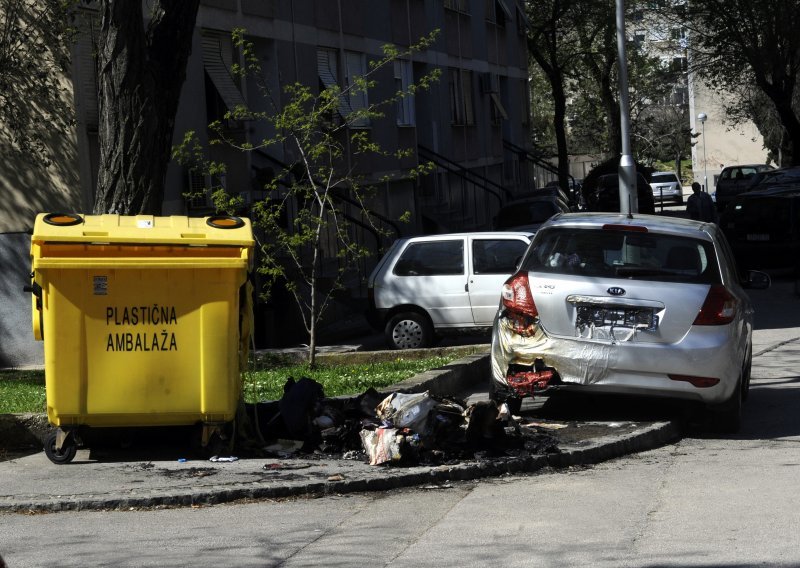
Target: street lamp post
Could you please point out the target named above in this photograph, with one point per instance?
(702, 118)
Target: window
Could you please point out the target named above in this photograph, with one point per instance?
(457, 5)
(679, 64)
(437, 258)
(403, 78)
(328, 73)
(497, 11)
(618, 254)
(460, 86)
(217, 61)
(355, 67)
(496, 256)
(678, 33)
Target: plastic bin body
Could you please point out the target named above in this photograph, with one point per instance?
(140, 319)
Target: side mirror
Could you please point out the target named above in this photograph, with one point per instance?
(757, 280)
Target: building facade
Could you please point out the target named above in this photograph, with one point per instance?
(472, 124)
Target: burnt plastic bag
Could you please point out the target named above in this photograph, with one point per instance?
(406, 410)
(382, 445)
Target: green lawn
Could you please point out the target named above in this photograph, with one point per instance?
(23, 391)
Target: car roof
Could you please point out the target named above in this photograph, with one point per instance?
(484, 234)
(656, 223)
(747, 166)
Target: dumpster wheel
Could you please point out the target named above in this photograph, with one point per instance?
(66, 453)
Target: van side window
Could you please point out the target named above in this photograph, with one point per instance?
(496, 256)
(437, 258)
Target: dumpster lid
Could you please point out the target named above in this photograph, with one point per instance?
(216, 230)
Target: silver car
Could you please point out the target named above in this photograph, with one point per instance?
(666, 187)
(640, 305)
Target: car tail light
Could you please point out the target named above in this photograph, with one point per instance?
(719, 307)
(699, 382)
(517, 297)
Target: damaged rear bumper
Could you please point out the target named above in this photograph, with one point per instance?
(532, 363)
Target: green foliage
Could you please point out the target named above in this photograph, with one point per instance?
(322, 136)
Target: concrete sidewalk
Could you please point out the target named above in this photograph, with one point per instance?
(124, 479)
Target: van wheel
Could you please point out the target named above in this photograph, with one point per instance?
(409, 330)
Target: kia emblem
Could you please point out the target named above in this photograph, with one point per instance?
(615, 291)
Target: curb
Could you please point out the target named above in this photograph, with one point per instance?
(450, 379)
(603, 449)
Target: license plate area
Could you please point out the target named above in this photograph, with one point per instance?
(757, 236)
(611, 317)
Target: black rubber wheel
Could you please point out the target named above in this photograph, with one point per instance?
(409, 330)
(67, 452)
(727, 417)
(514, 402)
(746, 372)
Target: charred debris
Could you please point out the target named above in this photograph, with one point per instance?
(400, 429)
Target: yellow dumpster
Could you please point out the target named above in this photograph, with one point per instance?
(140, 318)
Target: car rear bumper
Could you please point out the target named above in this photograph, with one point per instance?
(627, 367)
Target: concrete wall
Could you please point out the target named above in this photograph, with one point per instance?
(17, 346)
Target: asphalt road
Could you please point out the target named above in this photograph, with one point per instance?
(705, 501)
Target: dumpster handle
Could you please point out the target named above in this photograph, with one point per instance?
(225, 222)
(62, 219)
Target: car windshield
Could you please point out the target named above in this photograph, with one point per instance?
(525, 214)
(784, 177)
(623, 254)
(663, 178)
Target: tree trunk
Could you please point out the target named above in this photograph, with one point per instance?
(140, 75)
(559, 126)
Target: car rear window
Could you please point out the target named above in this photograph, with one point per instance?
(623, 254)
(663, 178)
(433, 258)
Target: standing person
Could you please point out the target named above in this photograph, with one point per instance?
(700, 206)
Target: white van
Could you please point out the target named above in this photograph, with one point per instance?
(429, 286)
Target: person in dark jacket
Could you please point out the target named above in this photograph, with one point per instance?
(700, 206)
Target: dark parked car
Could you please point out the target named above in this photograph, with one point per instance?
(528, 214)
(605, 196)
(735, 180)
(763, 228)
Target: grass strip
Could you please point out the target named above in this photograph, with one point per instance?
(24, 391)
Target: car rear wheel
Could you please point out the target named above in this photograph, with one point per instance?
(514, 402)
(746, 372)
(727, 417)
(409, 330)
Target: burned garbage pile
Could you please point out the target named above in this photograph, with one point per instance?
(399, 429)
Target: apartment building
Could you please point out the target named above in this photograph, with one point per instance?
(472, 124)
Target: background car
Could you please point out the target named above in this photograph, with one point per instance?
(666, 187)
(605, 196)
(646, 305)
(441, 284)
(763, 228)
(734, 180)
(528, 214)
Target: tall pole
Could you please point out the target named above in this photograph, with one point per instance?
(628, 199)
(702, 118)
